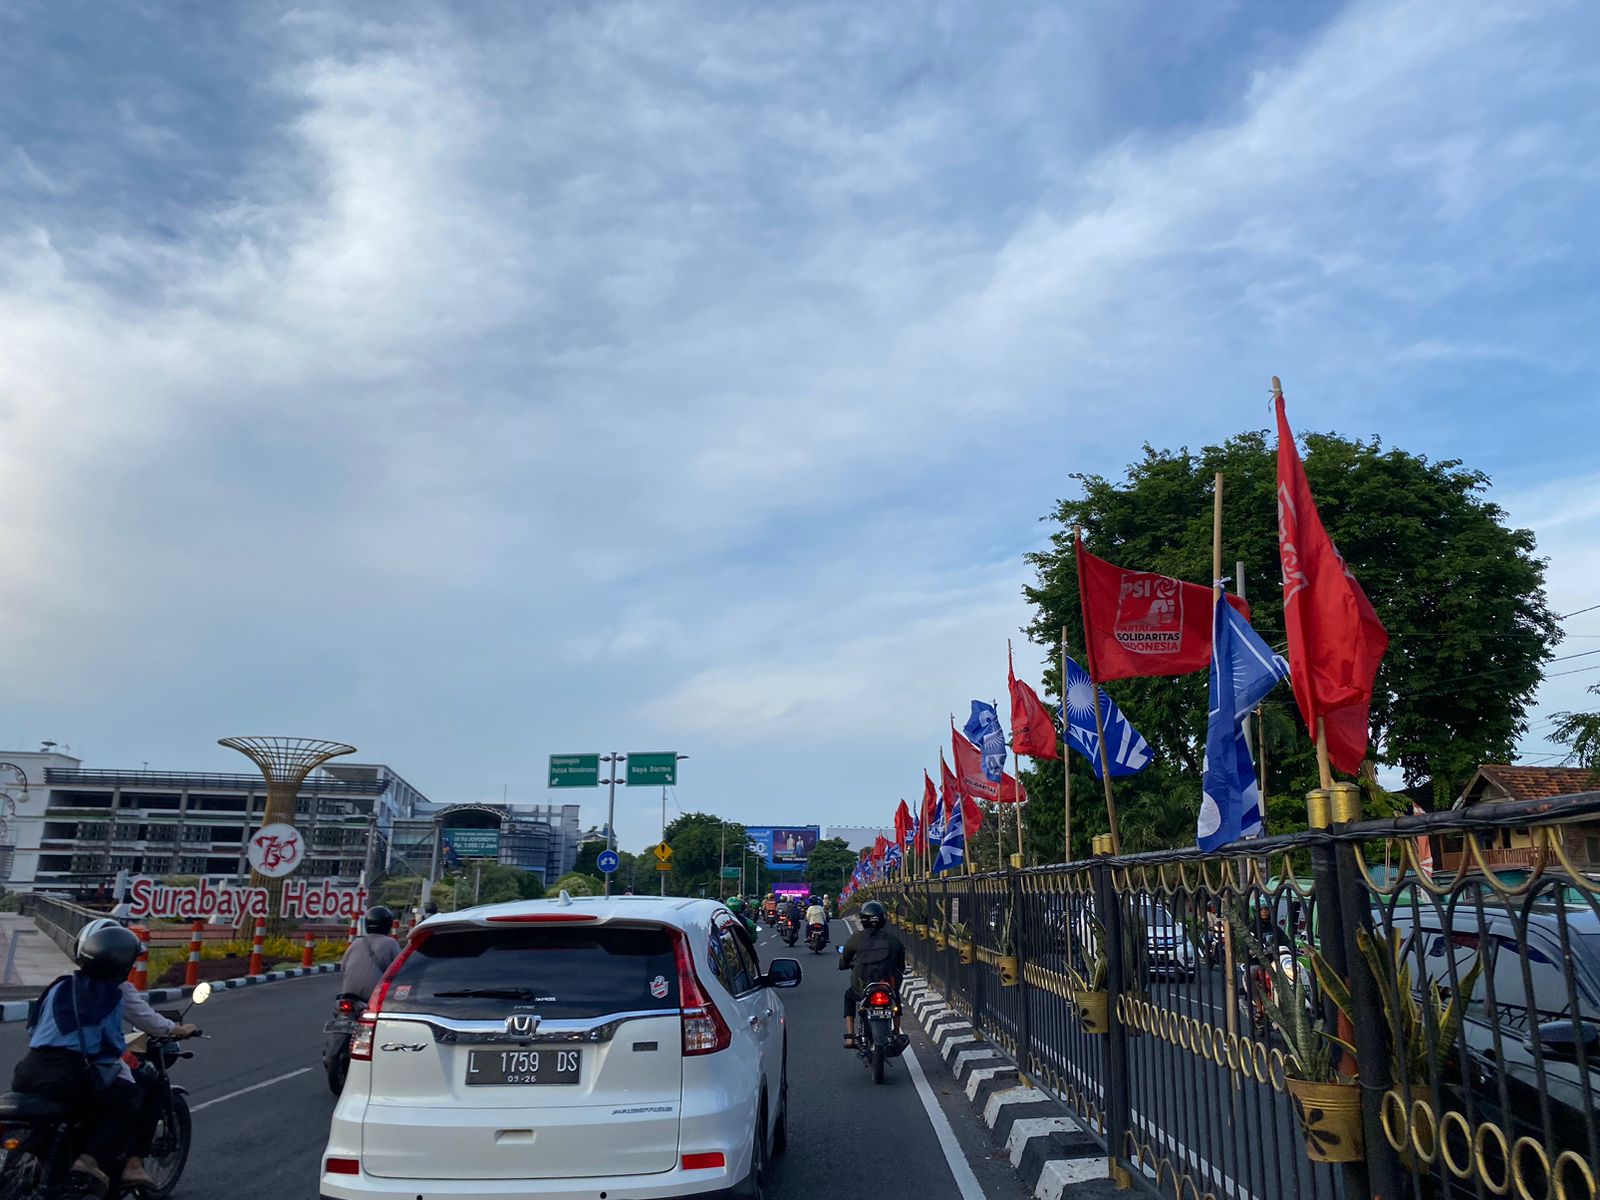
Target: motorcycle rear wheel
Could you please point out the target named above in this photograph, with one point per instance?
(879, 1056)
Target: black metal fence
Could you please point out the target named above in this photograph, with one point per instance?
(1323, 1017)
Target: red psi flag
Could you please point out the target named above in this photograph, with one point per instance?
(1138, 623)
(930, 805)
(974, 784)
(880, 848)
(1032, 731)
(1335, 638)
(902, 824)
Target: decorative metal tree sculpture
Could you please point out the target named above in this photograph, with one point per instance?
(285, 762)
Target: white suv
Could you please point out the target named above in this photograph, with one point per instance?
(627, 1047)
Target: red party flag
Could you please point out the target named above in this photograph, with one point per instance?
(880, 848)
(971, 814)
(1335, 638)
(973, 783)
(930, 805)
(902, 824)
(1032, 731)
(1138, 623)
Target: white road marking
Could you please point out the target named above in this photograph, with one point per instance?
(254, 1087)
(960, 1169)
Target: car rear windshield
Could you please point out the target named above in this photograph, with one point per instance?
(556, 973)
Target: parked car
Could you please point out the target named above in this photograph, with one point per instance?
(1523, 1014)
(628, 1047)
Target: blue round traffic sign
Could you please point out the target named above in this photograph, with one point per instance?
(608, 861)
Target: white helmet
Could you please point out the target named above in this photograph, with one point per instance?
(93, 927)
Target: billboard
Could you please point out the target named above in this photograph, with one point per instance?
(473, 843)
(786, 890)
(784, 847)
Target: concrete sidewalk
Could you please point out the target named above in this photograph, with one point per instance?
(27, 957)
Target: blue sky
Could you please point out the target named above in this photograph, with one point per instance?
(646, 376)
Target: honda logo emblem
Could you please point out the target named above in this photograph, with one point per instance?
(522, 1025)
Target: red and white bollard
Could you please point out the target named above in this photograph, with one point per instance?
(191, 973)
(310, 954)
(355, 928)
(140, 975)
(256, 963)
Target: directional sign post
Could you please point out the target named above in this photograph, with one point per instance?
(607, 861)
(659, 769)
(574, 770)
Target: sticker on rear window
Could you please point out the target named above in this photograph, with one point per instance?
(658, 987)
(401, 992)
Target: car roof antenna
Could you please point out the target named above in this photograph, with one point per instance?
(565, 899)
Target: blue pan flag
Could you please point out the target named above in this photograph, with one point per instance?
(1243, 670)
(1125, 746)
(952, 844)
(983, 730)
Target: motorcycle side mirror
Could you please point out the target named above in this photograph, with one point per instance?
(202, 993)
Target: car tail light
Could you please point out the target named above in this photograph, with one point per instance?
(344, 1166)
(361, 1039)
(713, 1161)
(704, 1030)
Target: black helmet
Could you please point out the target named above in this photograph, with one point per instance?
(379, 920)
(873, 915)
(106, 950)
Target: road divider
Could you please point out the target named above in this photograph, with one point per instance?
(17, 1010)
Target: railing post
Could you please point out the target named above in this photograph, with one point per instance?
(1371, 1025)
(1119, 1106)
(1020, 941)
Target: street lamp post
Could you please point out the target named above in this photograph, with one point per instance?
(611, 805)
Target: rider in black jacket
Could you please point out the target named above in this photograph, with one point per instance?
(872, 956)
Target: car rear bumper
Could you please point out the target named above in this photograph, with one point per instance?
(628, 1187)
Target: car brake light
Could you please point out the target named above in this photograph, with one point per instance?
(361, 1039)
(542, 918)
(704, 1030)
(344, 1166)
(712, 1161)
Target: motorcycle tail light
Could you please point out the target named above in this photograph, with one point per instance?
(880, 998)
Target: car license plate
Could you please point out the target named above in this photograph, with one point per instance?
(505, 1067)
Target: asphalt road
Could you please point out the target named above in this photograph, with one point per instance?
(262, 1103)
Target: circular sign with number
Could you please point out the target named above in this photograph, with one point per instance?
(607, 861)
(275, 850)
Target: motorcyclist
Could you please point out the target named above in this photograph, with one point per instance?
(816, 914)
(370, 954)
(76, 1046)
(737, 907)
(796, 913)
(136, 1012)
(875, 955)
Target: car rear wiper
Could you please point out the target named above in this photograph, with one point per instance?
(488, 994)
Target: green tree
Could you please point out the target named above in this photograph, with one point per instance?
(1461, 593)
(699, 842)
(588, 860)
(575, 885)
(829, 865)
(1581, 731)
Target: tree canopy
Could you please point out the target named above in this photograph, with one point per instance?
(1460, 592)
(829, 865)
(1581, 731)
(701, 843)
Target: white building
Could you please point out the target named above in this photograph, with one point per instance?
(74, 829)
(859, 837)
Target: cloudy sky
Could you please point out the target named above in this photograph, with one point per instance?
(475, 382)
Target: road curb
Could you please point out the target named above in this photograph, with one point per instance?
(1051, 1151)
(17, 1010)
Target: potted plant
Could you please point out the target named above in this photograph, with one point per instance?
(1010, 963)
(1327, 1102)
(1089, 984)
(961, 936)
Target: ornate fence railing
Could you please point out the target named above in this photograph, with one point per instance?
(1318, 1017)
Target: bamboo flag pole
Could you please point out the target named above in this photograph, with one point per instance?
(1100, 726)
(1066, 753)
(1016, 760)
(1232, 1010)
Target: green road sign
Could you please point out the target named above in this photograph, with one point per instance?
(731, 872)
(658, 769)
(574, 770)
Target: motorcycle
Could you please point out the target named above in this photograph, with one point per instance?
(347, 1011)
(876, 1040)
(39, 1136)
(789, 930)
(817, 937)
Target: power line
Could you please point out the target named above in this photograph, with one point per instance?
(1578, 612)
